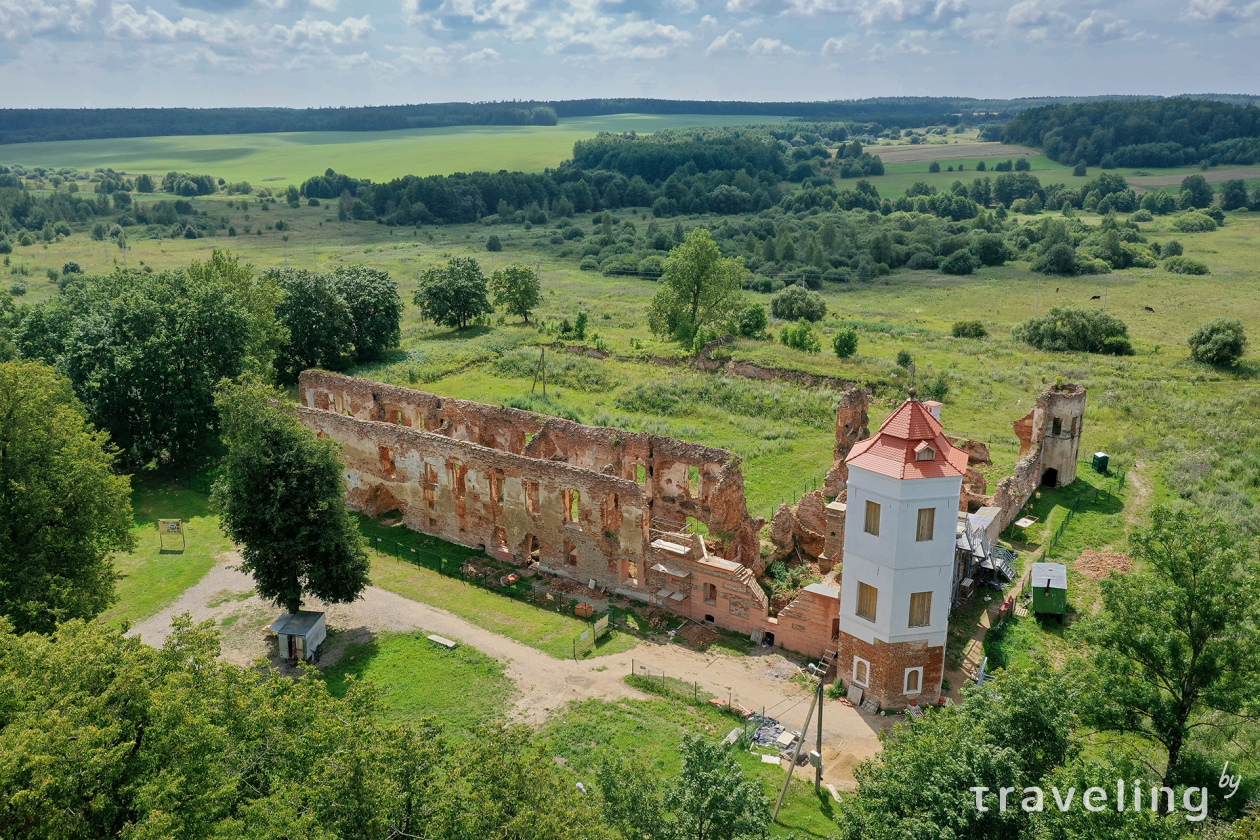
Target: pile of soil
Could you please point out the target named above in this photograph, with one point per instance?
(1096, 565)
(696, 636)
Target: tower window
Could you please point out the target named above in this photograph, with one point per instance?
(872, 518)
(927, 524)
(1056, 427)
(914, 681)
(920, 609)
(868, 600)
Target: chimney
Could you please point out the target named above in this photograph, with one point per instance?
(934, 408)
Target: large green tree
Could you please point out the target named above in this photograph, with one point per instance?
(375, 309)
(145, 352)
(709, 799)
(454, 294)
(106, 737)
(1180, 637)
(318, 320)
(700, 288)
(281, 496)
(516, 290)
(63, 510)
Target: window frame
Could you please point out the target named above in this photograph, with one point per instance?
(905, 681)
(910, 618)
(857, 610)
(874, 512)
(861, 683)
(931, 523)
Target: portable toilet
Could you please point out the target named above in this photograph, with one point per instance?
(1100, 463)
(1049, 589)
(299, 634)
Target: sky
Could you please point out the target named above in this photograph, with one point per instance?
(304, 53)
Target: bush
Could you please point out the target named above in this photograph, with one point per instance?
(17, 288)
(1071, 329)
(921, 261)
(958, 263)
(1220, 341)
(904, 359)
(935, 387)
(1194, 222)
(1079, 170)
(934, 167)
(589, 264)
(1142, 216)
(801, 336)
(6, 247)
(1171, 248)
(71, 267)
(969, 329)
(26, 240)
(989, 249)
(752, 321)
(1185, 265)
(845, 343)
(1060, 259)
(795, 303)
(493, 243)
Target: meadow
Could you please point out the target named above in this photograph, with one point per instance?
(292, 157)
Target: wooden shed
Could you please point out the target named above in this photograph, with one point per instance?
(1049, 588)
(299, 634)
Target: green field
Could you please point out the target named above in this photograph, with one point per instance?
(460, 688)
(293, 157)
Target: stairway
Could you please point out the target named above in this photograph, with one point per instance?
(827, 660)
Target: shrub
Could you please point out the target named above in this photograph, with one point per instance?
(801, 336)
(1059, 259)
(934, 167)
(1171, 248)
(6, 247)
(589, 264)
(1194, 222)
(921, 261)
(904, 359)
(493, 243)
(959, 262)
(845, 343)
(989, 249)
(935, 387)
(1185, 265)
(1142, 216)
(26, 239)
(795, 303)
(1220, 341)
(314, 202)
(1071, 329)
(18, 288)
(969, 329)
(71, 267)
(752, 320)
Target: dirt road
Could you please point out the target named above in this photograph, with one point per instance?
(544, 684)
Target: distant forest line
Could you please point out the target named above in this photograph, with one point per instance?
(31, 125)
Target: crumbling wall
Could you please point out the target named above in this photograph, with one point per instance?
(852, 425)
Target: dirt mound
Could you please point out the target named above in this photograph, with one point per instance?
(1096, 565)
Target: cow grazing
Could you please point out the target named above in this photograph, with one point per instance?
(1096, 297)
(1148, 308)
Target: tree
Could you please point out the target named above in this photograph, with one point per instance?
(968, 329)
(1220, 341)
(493, 243)
(144, 184)
(318, 320)
(453, 294)
(710, 798)
(375, 309)
(63, 510)
(990, 249)
(517, 290)
(1179, 636)
(797, 302)
(934, 166)
(1072, 329)
(281, 497)
(699, 289)
(752, 321)
(845, 343)
(1196, 192)
(1234, 194)
(959, 262)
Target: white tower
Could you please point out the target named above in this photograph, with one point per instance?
(904, 484)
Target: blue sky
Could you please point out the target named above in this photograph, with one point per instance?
(98, 53)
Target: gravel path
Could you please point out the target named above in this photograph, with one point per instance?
(544, 684)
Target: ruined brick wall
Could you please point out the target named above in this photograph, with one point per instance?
(1043, 447)
(852, 425)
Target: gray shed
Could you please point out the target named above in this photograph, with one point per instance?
(299, 634)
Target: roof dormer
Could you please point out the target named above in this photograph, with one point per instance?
(924, 452)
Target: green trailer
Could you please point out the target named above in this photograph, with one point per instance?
(1049, 589)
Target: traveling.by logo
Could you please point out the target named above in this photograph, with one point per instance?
(1127, 798)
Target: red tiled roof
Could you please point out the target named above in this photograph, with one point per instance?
(891, 450)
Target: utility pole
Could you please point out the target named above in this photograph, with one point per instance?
(818, 767)
(815, 701)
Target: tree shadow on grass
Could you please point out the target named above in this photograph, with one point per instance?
(346, 657)
(467, 333)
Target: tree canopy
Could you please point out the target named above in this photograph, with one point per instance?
(1220, 341)
(516, 290)
(454, 294)
(63, 510)
(281, 497)
(1066, 328)
(700, 288)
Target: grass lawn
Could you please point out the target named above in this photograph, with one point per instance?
(396, 568)
(653, 729)
(292, 157)
(150, 578)
(461, 687)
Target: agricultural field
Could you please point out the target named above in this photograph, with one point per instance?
(290, 158)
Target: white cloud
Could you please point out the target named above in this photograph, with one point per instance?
(1224, 11)
(731, 42)
(486, 55)
(908, 47)
(770, 47)
(1100, 27)
(838, 46)
(708, 20)
(507, 14)
(583, 30)
(26, 18)
(307, 31)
